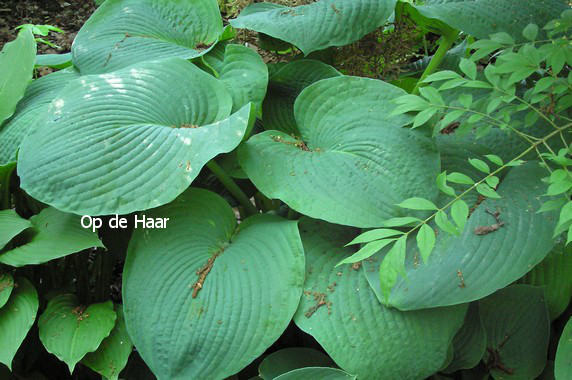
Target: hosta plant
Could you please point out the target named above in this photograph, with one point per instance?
(213, 189)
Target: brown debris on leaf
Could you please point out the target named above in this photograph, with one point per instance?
(321, 300)
(485, 230)
(79, 311)
(298, 143)
(450, 129)
(480, 200)
(204, 271)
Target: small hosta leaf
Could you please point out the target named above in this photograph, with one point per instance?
(289, 359)
(70, 330)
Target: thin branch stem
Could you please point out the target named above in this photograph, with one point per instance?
(231, 186)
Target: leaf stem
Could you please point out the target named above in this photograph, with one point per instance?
(446, 43)
(5, 201)
(231, 186)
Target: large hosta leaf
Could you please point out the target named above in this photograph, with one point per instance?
(11, 224)
(517, 328)
(129, 140)
(17, 67)
(16, 319)
(363, 337)
(316, 373)
(470, 267)
(318, 25)
(289, 359)
(284, 87)
(354, 162)
(563, 364)
(70, 330)
(554, 273)
(242, 71)
(33, 106)
(470, 342)
(54, 234)
(123, 32)
(113, 352)
(481, 18)
(203, 297)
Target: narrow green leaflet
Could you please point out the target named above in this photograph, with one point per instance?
(112, 354)
(30, 110)
(284, 87)
(70, 330)
(16, 319)
(366, 251)
(123, 32)
(349, 149)
(517, 329)
(554, 274)
(490, 254)
(289, 359)
(316, 373)
(6, 287)
(481, 18)
(17, 67)
(340, 310)
(54, 234)
(129, 140)
(425, 241)
(469, 343)
(11, 224)
(242, 71)
(318, 25)
(417, 204)
(233, 288)
(563, 363)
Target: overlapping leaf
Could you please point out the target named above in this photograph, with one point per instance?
(284, 87)
(124, 32)
(70, 330)
(363, 337)
(481, 18)
(352, 163)
(16, 318)
(289, 359)
(30, 110)
(17, 67)
(563, 363)
(206, 303)
(554, 274)
(517, 328)
(6, 287)
(470, 342)
(129, 140)
(11, 224)
(316, 373)
(54, 234)
(469, 267)
(318, 25)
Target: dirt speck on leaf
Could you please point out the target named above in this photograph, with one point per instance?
(321, 300)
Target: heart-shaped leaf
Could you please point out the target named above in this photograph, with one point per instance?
(70, 330)
(17, 67)
(517, 328)
(16, 319)
(563, 363)
(340, 310)
(483, 259)
(33, 106)
(469, 343)
(11, 224)
(54, 234)
(221, 286)
(284, 87)
(554, 274)
(481, 18)
(124, 32)
(316, 373)
(129, 140)
(289, 359)
(349, 149)
(6, 287)
(318, 25)
(112, 354)
(241, 70)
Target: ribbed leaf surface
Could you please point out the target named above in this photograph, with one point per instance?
(363, 337)
(11, 224)
(318, 25)
(353, 163)
(129, 140)
(30, 110)
(123, 32)
(203, 297)
(6, 287)
(472, 266)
